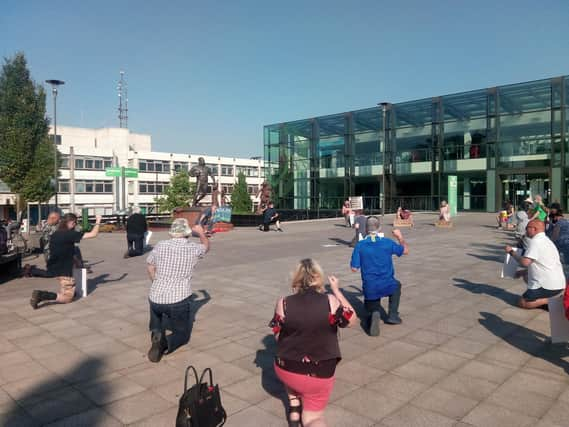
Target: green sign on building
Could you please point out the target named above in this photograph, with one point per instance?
(452, 194)
(130, 173)
(114, 171)
(117, 171)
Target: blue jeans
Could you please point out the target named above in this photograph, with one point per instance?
(176, 317)
(375, 305)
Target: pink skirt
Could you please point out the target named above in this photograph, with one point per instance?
(314, 392)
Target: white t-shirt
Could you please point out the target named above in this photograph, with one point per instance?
(546, 270)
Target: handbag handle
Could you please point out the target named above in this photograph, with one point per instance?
(210, 376)
(186, 377)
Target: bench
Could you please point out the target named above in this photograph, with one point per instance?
(398, 222)
(11, 264)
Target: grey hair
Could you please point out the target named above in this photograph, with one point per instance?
(373, 224)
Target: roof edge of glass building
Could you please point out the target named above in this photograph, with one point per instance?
(503, 143)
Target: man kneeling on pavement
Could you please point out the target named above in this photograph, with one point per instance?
(544, 275)
(374, 257)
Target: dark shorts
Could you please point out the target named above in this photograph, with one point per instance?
(535, 294)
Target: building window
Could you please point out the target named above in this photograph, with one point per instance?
(180, 166)
(249, 171)
(57, 139)
(159, 166)
(227, 188)
(226, 170)
(89, 186)
(149, 187)
(90, 163)
(64, 162)
(252, 189)
(63, 187)
(79, 164)
(213, 168)
(108, 164)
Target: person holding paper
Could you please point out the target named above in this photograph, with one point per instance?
(61, 259)
(545, 277)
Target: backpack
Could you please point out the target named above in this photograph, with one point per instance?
(200, 405)
(3, 241)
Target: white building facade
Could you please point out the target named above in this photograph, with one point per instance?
(87, 153)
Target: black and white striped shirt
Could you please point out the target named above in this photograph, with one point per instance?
(174, 260)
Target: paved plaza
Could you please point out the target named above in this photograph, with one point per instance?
(464, 355)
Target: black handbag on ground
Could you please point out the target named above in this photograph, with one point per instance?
(200, 405)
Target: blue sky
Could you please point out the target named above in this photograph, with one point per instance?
(206, 76)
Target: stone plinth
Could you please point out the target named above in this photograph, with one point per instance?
(192, 214)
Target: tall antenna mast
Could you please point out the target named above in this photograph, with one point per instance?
(123, 101)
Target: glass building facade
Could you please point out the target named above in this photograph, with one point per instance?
(503, 143)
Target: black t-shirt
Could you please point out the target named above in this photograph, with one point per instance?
(61, 250)
(136, 224)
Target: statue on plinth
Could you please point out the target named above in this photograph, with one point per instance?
(201, 172)
(264, 197)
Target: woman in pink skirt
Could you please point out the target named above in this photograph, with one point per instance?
(305, 325)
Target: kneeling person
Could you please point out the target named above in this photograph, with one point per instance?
(170, 266)
(545, 277)
(61, 259)
(373, 256)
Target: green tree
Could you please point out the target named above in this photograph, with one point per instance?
(26, 157)
(240, 199)
(179, 193)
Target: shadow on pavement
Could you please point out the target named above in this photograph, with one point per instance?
(195, 304)
(56, 399)
(496, 258)
(264, 359)
(527, 340)
(483, 288)
(340, 241)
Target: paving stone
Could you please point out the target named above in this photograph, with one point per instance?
(369, 403)
(419, 372)
(233, 404)
(398, 387)
(551, 388)
(496, 373)
(20, 371)
(557, 413)
(56, 405)
(166, 418)
(103, 392)
(255, 416)
(446, 403)
(92, 417)
(411, 416)
(474, 388)
(357, 373)
(489, 415)
(137, 407)
(441, 360)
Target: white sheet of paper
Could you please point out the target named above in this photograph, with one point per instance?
(557, 320)
(147, 237)
(510, 267)
(80, 275)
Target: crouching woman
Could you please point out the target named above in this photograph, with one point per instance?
(305, 325)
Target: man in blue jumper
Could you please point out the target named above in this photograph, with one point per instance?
(373, 256)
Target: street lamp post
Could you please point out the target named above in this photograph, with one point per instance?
(54, 84)
(384, 106)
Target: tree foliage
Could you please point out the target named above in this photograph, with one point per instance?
(179, 193)
(240, 200)
(26, 154)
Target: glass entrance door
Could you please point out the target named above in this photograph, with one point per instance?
(518, 187)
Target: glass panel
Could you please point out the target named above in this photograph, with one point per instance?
(525, 140)
(142, 187)
(166, 167)
(78, 163)
(414, 114)
(465, 106)
(108, 187)
(158, 167)
(79, 187)
(368, 140)
(63, 187)
(142, 166)
(464, 139)
(150, 187)
(517, 98)
(98, 164)
(89, 187)
(88, 164)
(108, 163)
